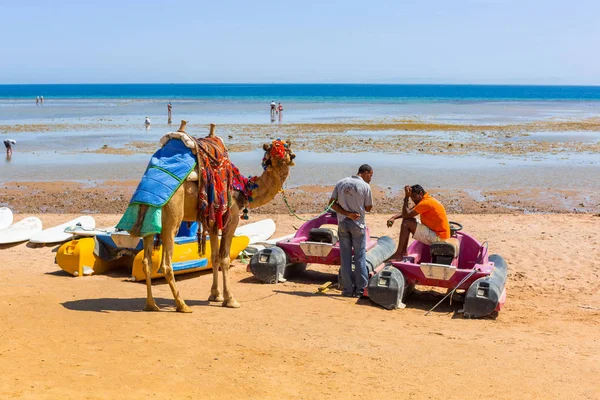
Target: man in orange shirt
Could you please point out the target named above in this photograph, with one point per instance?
(434, 225)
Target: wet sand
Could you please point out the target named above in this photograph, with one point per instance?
(380, 136)
(114, 196)
(551, 165)
(85, 338)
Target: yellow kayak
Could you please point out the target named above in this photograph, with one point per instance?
(185, 258)
(77, 258)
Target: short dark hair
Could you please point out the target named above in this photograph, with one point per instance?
(364, 168)
(417, 189)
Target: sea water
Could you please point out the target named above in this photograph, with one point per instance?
(87, 117)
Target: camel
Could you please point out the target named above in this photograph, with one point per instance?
(183, 206)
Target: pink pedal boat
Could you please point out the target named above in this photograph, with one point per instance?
(459, 262)
(313, 244)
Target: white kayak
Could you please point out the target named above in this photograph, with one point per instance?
(79, 230)
(21, 231)
(257, 231)
(57, 234)
(6, 217)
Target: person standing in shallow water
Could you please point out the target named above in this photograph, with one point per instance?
(9, 143)
(351, 198)
(169, 108)
(37, 100)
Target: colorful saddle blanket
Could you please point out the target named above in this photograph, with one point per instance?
(167, 170)
(215, 181)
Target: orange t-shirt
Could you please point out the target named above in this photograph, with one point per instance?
(433, 216)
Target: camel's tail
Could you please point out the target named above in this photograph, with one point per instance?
(202, 234)
(136, 229)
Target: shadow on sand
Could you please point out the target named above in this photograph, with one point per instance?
(9, 245)
(43, 245)
(132, 304)
(307, 277)
(59, 272)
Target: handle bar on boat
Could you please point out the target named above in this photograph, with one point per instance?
(470, 274)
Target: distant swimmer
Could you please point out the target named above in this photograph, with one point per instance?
(273, 109)
(42, 99)
(169, 109)
(9, 143)
(37, 100)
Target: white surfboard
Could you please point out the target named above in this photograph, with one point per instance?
(78, 230)
(257, 231)
(258, 246)
(124, 240)
(6, 217)
(57, 234)
(21, 231)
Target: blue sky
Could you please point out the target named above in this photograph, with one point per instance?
(401, 41)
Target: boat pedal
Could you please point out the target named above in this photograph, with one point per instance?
(324, 288)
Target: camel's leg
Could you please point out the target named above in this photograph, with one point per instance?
(147, 268)
(215, 295)
(224, 258)
(167, 260)
(171, 220)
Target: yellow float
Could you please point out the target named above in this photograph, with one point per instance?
(78, 259)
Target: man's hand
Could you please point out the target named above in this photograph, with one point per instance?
(390, 222)
(353, 216)
(407, 191)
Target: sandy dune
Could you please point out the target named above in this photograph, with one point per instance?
(85, 338)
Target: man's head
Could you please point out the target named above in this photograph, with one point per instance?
(365, 172)
(416, 193)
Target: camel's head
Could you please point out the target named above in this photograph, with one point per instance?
(278, 154)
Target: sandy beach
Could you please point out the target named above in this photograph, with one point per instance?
(85, 338)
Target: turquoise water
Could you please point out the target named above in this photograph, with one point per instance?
(303, 92)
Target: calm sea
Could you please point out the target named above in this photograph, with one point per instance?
(305, 92)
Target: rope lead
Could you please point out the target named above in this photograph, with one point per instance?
(296, 215)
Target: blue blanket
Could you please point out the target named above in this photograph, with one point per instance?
(167, 170)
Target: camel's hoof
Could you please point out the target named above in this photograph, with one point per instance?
(184, 309)
(231, 303)
(216, 298)
(151, 307)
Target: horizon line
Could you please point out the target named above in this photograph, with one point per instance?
(302, 83)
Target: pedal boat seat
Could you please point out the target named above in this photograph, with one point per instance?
(323, 235)
(444, 251)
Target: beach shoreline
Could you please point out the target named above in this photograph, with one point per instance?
(113, 197)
